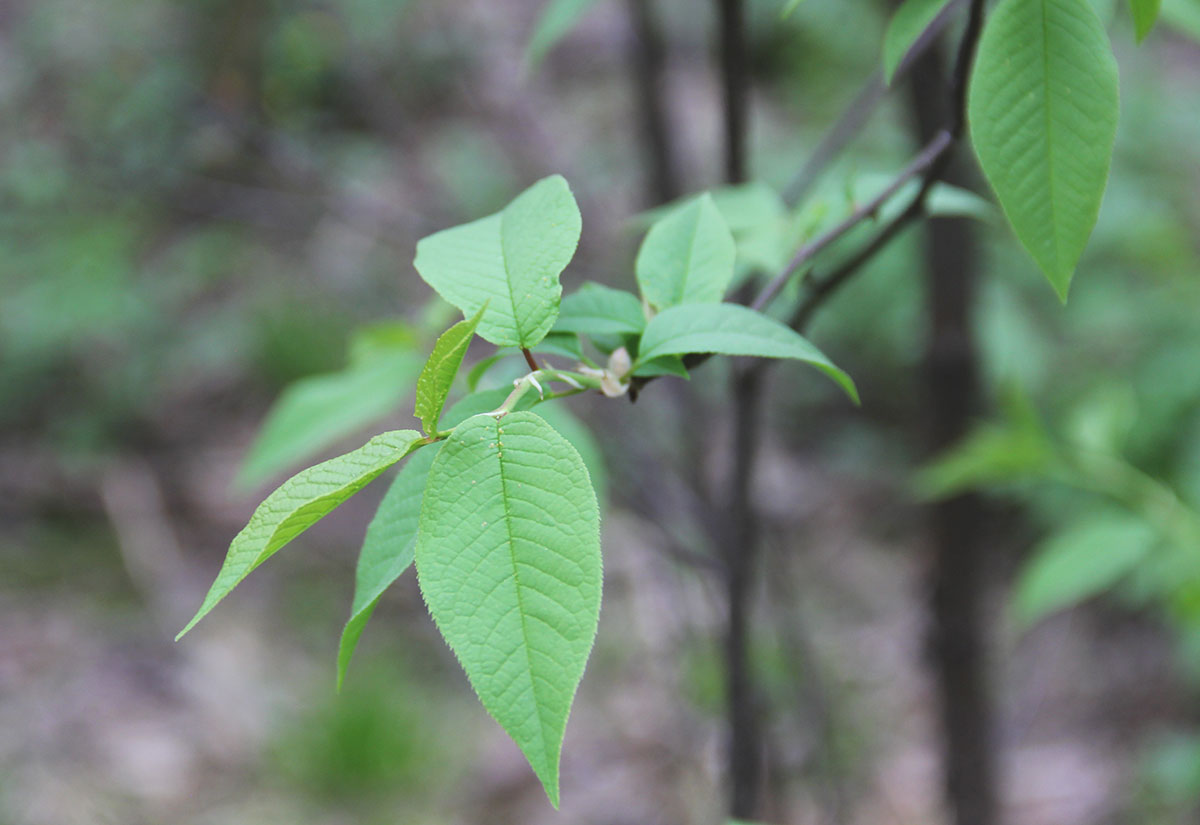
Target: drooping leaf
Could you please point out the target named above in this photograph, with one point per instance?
(433, 385)
(314, 413)
(596, 309)
(510, 261)
(1082, 561)
(687, 257)
(508, 559)
(1145, 15)
(387, 550)
(557, 19)
(730, 329)
(301, 502)
(1043, 113)
(906, 27)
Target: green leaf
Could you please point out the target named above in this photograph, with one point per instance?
(687, 257)
(563, 344)
(790, 7)
(747, 206)
(1183, 16)
(1080, 562)
(730, 329)
(906, 26)
(387, 550)
(314, 413)
(508, 559)
(510, 262)
(1145, 15)
(433, 385)
(600, 310)
(557, 19)
(301, 502)
(477, 372)
(1043, 112)
(665, 365)
(571, 428)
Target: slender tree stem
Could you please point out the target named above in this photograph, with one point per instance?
(734, 86)
(648, 61)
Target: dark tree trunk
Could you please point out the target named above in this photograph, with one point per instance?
(648, 61)
(956, 643)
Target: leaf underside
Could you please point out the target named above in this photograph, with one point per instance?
(731, 329)
(1043, 113)
(301, 502)
(508, 560)
(387, 550)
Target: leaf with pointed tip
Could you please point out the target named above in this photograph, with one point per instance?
(301, 502)
(553, 24)
(687, 257)
(730, 329)
(510, 262)
(1145, 15)
(907, 25)
(663, 365)
(1080, 562)
(596, 309)
(1043, 111)
(387, 550)
(433, 385)
(508, 559)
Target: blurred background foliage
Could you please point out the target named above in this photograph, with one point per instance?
(206, 205)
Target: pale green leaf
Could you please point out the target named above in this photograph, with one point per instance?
(1145, 15)
(301, 502)
(315, 413)
(730, 329)
(747, 206)
(600, 310)
(563, 344)
(1043, 113)
(387, 550)
(1082, 561)
(906, 26)
(510, 262)
(557, 19)
(1183, 16)
(687, 257)
(433, 385)
(790, 7)
(508, 559)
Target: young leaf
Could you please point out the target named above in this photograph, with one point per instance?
(730, 329)
(315, 412)
(1145, 15)
(600, 310)
(1080, 562)
(433, 385)
(906, 26)
(510, 261)
(1043, 112)
(687, 257)
(663, 365)
(556, 20)
(508, 559)
(301, 502)
(387, 550)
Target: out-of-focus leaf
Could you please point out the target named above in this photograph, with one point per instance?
(906, 26)
(1145, 15)
(1082, 561)
(314, 413)
(557, 19)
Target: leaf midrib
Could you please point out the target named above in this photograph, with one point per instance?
(508, 521)
(1054, 226)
